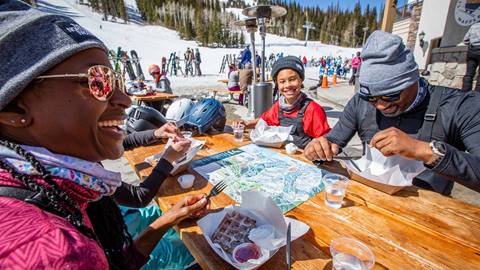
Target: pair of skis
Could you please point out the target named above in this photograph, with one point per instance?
(227, 60)
(121, 58)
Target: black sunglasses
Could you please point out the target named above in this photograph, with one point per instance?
(387, 98)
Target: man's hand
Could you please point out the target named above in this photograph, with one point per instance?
(321, 149)
(189, 207)
(177, 149)
(393, 141)
(169, 130)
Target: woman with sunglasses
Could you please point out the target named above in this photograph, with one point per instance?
(55, 128)
(293, 108)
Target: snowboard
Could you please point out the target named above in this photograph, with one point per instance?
(138, 67)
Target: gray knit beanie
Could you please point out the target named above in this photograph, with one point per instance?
(291, 62)
(32, 42)
(387, 65)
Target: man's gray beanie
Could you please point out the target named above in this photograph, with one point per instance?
(32, 42)
(387, 65)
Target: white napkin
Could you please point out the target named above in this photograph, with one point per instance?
(394, 171)
(272, 136)
(262, 208)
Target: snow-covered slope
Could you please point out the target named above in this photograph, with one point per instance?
(154, 42)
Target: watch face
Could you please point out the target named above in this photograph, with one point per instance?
(467, 13)
(440, 147)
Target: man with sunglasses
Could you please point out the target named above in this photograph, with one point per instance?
(401, 114)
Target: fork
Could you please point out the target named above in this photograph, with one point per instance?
(219, 187)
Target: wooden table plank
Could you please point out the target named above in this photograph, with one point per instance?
(413, 249)
(416, 230)
(155, 97)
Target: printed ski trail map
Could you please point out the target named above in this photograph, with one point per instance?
(288, 181)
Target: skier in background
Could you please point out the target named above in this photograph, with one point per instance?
(188, 62)
(356, 61)
(246, 56)
(177, 64)
(198, 61)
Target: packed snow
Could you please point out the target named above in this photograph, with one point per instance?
(154, 42)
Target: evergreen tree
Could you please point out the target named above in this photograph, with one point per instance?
(208, 23)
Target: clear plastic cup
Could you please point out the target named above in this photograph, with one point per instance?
(187, 134)
(351, 254)
(335, 188)
(238, 132)
(186, 180)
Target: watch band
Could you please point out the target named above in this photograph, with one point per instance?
(437, 154)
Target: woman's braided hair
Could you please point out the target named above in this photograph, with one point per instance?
(109, 228)
(107, 220)
(58, 199)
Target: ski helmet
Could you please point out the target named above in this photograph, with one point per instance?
(142, 118)
(207, 113)
(179, 109)
(153, 69)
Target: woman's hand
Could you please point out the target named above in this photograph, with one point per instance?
(177, 149)
(189, 207)
(167, 131)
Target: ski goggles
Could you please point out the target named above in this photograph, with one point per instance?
(102, 81)
(387, 98)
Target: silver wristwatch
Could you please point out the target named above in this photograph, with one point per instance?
(438, 150)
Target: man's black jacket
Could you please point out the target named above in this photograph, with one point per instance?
(459, 127)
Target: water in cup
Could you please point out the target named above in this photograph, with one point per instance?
(335, 188)
(334, 197)
(238, 132)
(238, 135)
(351, 254)
(345, 261)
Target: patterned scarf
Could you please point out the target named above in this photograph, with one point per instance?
(421, 94)
(84, 173)
(289, 108)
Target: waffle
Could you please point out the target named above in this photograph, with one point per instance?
(233, 231)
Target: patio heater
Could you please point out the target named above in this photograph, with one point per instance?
(262, 91)
(251, 25)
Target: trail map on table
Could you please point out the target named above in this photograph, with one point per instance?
(288, 181)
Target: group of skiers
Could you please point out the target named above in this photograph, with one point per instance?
(192, 62)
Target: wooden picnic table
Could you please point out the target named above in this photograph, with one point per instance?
(414, 229)
(157, 100)
(155, 97)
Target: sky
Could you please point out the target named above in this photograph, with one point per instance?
(323, 4)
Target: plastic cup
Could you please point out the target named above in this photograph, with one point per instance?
(335, 188)
(291, 148)
(238, 132)
(187, 134)
(351, 254)
(186, 180)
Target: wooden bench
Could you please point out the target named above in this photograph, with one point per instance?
(226, 91)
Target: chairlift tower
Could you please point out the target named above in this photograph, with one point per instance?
(262, 91)
(308, 26)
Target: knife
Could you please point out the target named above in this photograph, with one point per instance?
(349, 158)
(289, 247)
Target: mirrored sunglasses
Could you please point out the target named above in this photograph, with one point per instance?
(387, 98)
(102, 81)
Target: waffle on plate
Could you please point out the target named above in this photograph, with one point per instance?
(233, 231)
